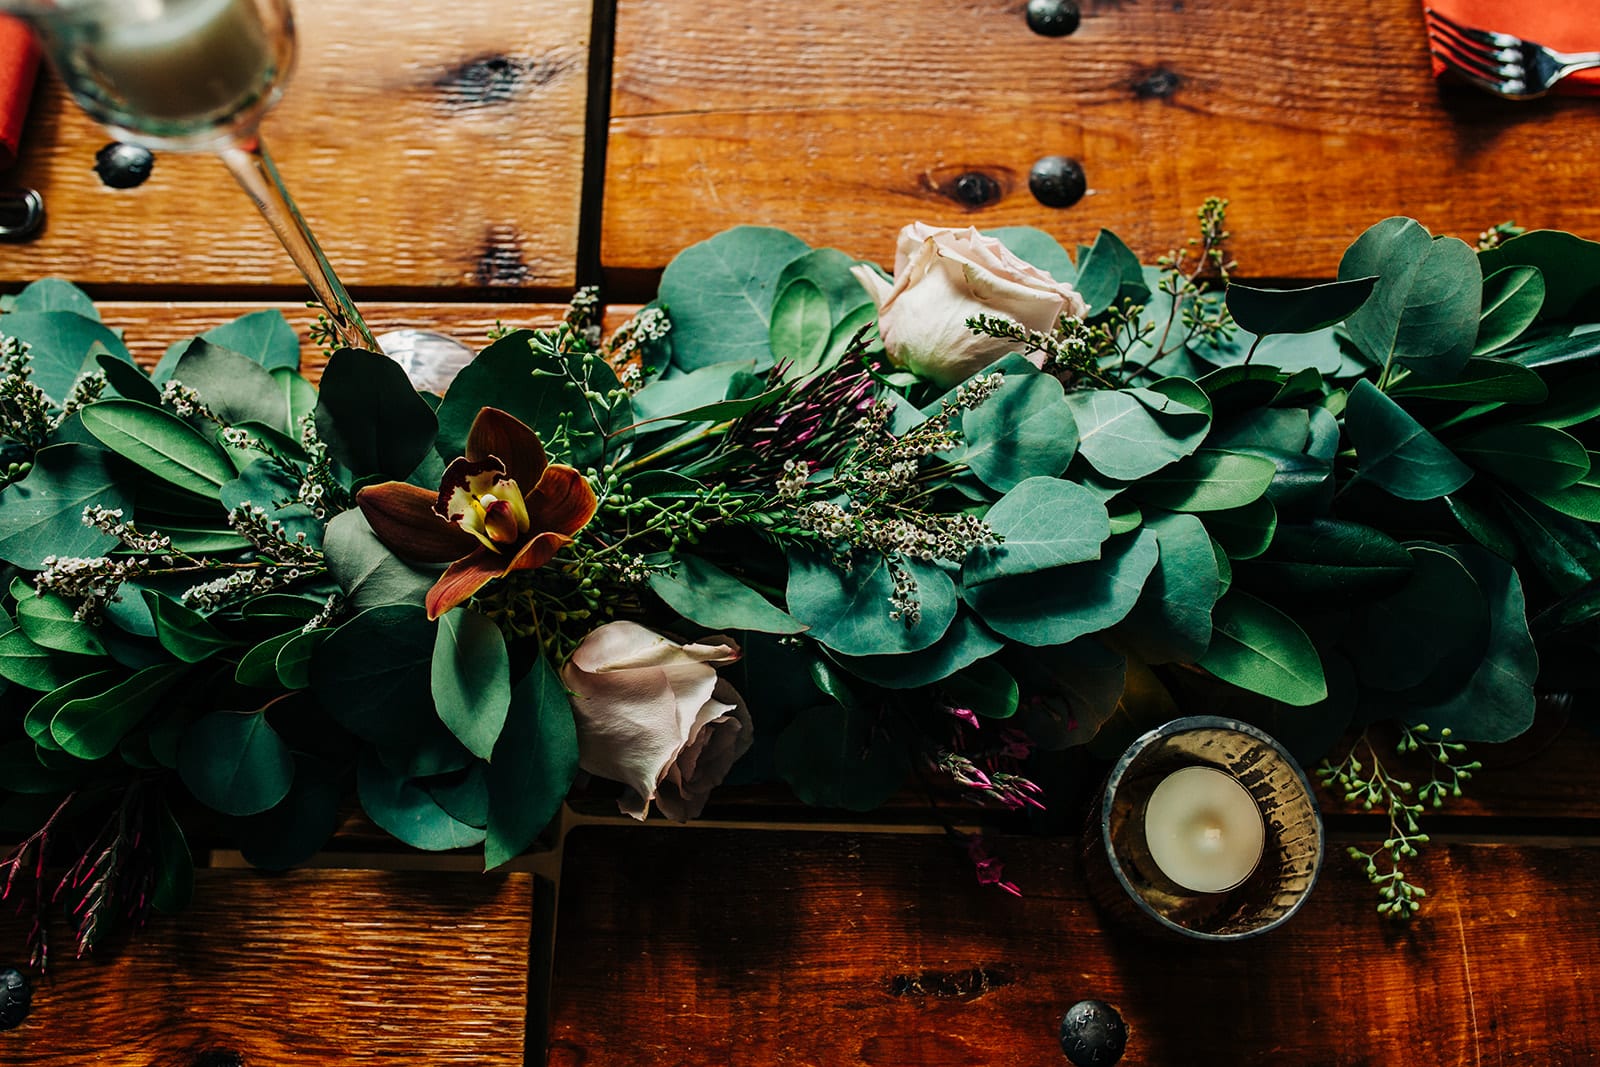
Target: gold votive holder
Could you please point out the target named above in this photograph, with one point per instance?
(1128, 884)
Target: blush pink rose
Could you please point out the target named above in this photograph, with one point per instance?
(653, 715)
(942, 277)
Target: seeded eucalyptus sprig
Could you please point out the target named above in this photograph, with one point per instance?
(1374, 785)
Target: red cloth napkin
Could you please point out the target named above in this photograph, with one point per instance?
(1565, 25)
(19, 61)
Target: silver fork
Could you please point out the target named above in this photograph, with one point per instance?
(1505, 65)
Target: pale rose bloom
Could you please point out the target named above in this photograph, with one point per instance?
(942, 277)
(653, 715)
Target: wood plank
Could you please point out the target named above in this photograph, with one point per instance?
(842, 121)
(150, 326)
(427, 144)
(348, 967)
(840, 949)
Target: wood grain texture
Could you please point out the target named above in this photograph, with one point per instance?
(427, 145)
(150, 326)
(833, 949)
(842, 121)
(346, 967)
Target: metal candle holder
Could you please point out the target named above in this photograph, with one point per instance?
(1128, 884)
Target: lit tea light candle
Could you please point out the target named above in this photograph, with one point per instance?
(1204, 829)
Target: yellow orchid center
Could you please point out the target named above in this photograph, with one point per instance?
(490, 507)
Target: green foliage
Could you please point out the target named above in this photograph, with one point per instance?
(1367, 501)
(1371, 783)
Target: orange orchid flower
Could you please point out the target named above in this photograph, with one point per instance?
(502, 507)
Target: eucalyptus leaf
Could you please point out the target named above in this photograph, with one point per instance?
(850, 612)
(1424, 310)
(533, 764)
(706, 594)
(405, 809)
(1041, 523)
(370, 416)
(174, 866)
(1570, 266)
(373, 674)
(258, 667)
(1243, 532)
(89, 727)
(159, 443)
(801, 327)
(1512, 299)
(1483, 378)
(966, 642)
(1533, 457)
(720, 293)
(1303, 310)
(471, 678)
(295, 829)
(369, 574)
(55, 294)
(829, 270)
(1171, 620)
(1260, 649)
(265, 337)
(235, 387)
(1497, 703)
(1108, 271)
(1120, 437)
(1055, 606)
(36, 722)
(32, 667)
(183, 631)
(41, 515)
(985, 687)
(48, 622)
(665, 398)
(235, 762)
(1209, 480)
(1022, 431)
(1429, 632)
(1329, 561)
(294, 659)
(1580, 500)
(127, 380)
(1395, 452)
(63, 346)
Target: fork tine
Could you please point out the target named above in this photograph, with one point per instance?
(1470, 75)
(1486, 54)
(1487, 38)
(1451, 51)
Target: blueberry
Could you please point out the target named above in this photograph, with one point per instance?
(122, 166)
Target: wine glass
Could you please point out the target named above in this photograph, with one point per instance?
(193, 76)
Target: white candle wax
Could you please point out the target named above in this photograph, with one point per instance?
(181, 60)
(1204, 829)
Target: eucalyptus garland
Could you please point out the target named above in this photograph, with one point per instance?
(802, 520)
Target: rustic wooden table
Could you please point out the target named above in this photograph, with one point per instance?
(475, 161)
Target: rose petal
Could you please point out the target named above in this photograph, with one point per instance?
(461, 579)
(874, 283)
(403, 518)
(725, 733)
(563, 500)
(497, 433)
(626, 645)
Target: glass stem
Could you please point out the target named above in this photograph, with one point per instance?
(250, 165)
